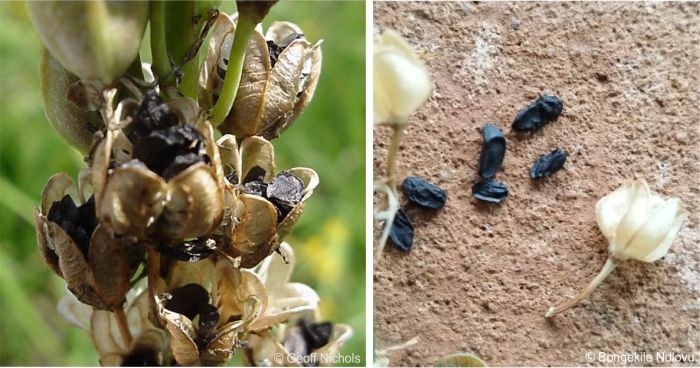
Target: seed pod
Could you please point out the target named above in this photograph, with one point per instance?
(538, 113)
(92, 39)
(492, 152)
(489, 190)
(280, 73)
(423, 193)
(548, 164)
(75, 124)
(401, 233)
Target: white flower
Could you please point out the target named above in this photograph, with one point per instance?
(638, 223)
(401, 81)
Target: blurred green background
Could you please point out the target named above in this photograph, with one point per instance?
(329, 137)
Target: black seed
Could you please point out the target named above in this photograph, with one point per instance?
(186, 300)
(257, 188)
(401, 233)
(152, 114)
(208, 318)
(276, 49)
(78, 222)
(538, 113)
(162, 149)
(232, 177)
(548, 164)
(422, 193)
(492, 152)
(490, 190)
(316, 335)
(141, 356)
(189, 251)
(256, 173)
(285, 192)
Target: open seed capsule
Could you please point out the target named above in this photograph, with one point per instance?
(492, 152)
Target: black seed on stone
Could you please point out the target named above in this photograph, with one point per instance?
(78, 222)
(401, 233)
(548, 164)
(492, 152)
(257, 188)
(422, 193)
(186, 300)
(490, 190)
(189, 251)
(256, 173)
(537, 114)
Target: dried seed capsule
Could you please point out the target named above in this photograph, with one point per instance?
(423, 193)
(492, 152)
(401, 233)
(538, 113)
(490, 190)
(548, 164)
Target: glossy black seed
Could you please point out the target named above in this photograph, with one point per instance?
(189, 251)
(208, 318)
(401, 233)
(316, 335)
(78, 222)
(169, 151)
(285, 191)
(538, 113)
(422, 193)
(152, 114)
(256, 173)
(257, 188)
(492, 152)
(490, 190)
(548, 164)
(187, 299)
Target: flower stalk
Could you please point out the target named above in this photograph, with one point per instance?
(583, 294)
(161, 61)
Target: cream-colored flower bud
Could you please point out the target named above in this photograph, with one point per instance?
(74, 123)
(639, 225)
(401, 81)
(92, 39)
(280, 73)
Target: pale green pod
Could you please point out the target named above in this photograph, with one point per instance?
(75, 124)
(91, 39)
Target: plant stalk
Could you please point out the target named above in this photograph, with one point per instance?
(391, 155)
(244, 30)
(124, 326)
(159, 51)
(583, 294)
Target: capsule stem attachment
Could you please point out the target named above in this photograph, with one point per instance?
(607, 269)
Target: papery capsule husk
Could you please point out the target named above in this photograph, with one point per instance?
(75, 124)
(92, 39)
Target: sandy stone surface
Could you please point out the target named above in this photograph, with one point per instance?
(480, 277)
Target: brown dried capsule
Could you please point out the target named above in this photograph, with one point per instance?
(280, 73)
(268, 205)
(157, 178)
(96, 266)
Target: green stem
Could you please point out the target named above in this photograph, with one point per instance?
(16, 200)
(159, 51)
(244, 30)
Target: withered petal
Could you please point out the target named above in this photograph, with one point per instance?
(177, 211)
(257, 151)
(182, 335)
(238, 292)
(133, 199)
(252, 235)
(55, 189)
(109, 265)
(207, 197)
(105, 334)
(308, 83)
(230, 159)
(100, 166)
(43, 240)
